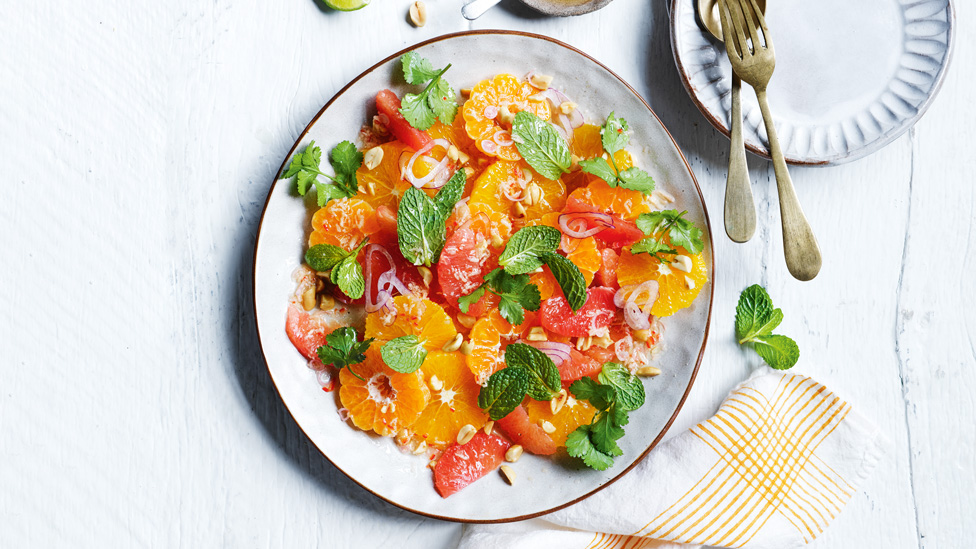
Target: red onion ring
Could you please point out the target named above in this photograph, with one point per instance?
(491, 112)
(558, 352)
(490, 147)
(503, 138)
(634, 317)
(637, 317)
(422, 181)
(602, 220)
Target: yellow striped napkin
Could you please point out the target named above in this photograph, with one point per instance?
(776, 464)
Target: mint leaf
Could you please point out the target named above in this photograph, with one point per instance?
(540, 145)
(600, 168)
(523, 250)
(416, 69)
(323, 257)
(420, 229)
(342, 350)
(778, 351)
(450, 193)
(636, 179)
(348, 274)
(630, 390)
(466, 301)
(569, 277)
(578, 445)
(682, 232)
(437, 100)
(404, 354)
(755, 320)
(614, 134)
(544, 381)
(504, 392)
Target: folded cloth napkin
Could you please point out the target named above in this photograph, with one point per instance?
(776, 464)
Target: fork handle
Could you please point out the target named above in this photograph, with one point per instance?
(740, 207)
(800, 246)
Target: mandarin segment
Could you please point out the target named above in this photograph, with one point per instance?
(484, 113)
(386, 401)
(343, 222)
(414, 316)
(542, 196)
(489, 195)
(486, 355)
(453, 401)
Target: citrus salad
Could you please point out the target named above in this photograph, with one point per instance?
(488, 278)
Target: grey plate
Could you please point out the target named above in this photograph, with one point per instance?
(544, 485)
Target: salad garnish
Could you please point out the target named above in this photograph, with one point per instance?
(528, 372)
(755, 320)
(343, 349)
(404, 354)
(541, 145)
(515, 294)
(345, 160)
(614, 136)
(682, 232)
(615, 394)
(421, 230)
(436, 102)
(346, 272)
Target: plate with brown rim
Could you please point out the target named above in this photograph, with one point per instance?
(375, 463)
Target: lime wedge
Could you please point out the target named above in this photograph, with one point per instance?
(346, 5)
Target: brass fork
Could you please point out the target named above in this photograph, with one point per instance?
(750, 51)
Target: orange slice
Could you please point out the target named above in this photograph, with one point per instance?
(677, 289)
(414, 316)
(343, 222)
(382, 185)
(504, 91)
(573, 414)
(386, 401)
(486, 355)
(626, 203)
(453, 401)
(542, 196)
(588, 144)
(488, 195)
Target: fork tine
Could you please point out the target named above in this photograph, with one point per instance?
(762, 23)
(729, 30)
(745, 25)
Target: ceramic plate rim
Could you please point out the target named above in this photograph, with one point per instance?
(854, 154)
(711, 266)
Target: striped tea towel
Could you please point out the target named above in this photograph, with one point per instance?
(777, 463)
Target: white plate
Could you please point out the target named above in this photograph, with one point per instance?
(851, 76)
(373, 462)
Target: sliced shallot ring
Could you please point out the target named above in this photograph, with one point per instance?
(603, 221)
(490, 147)
(635, 318)
(558, 352)
(491, 112)
(503, 138)
(420, 182)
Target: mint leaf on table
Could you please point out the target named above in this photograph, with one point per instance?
(682, 232)
(569, 277)
(515, 294)
(306, 168)
(630, 390)
(348, 273)
(755, 320)
(503, 392)
(579, 445)
(544, 381)
(405, 354)
(421, 229)
(324, 257)
(342, 349)
(522, 252)
(541, 145)
(436, 101)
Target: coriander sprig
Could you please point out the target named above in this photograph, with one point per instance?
(755, 320)
(436, 101)
(681, 232)
(614, 136)
(345, 160)
(617, 393)
(515, 294)
(342, 349)
(346, 273)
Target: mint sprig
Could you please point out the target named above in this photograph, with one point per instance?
(342, 350)
(682, 232)
(405, 354)
(305, 167)
(515, 295)
(614, 136)
(522, 252)
(436, 101)
(755, 320)
(346, 273)
(421, 230)
(569, 278)
(528, 371)
(541, 145)
(617, 393)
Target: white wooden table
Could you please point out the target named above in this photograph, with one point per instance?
(137, 143)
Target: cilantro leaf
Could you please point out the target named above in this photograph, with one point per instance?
(522, 252)
(324, 257)
(600, 396)
(600, 168)
(416, 69)
(503, 392)
(466, 301)
(404, 354)
(778, 351)
(305, 167)
(630, 390)
(515, 293)
(569, 277)
(540, 145)
(450, 193)
(579, 445)
(420, 228)
(605, 432)
(653, 246)
(636, 179)
(682, 232)
(544, 381)
(614, 134)
(436, 101)
(755, 320)
(342, 350)
(348, 274)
